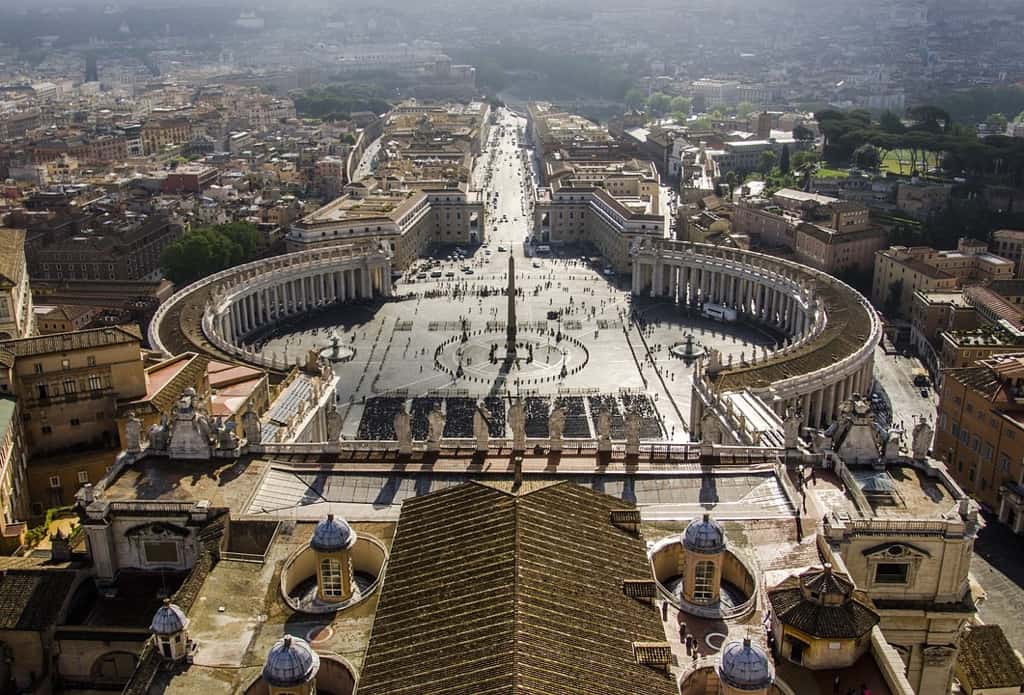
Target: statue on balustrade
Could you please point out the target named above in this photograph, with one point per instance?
(435, 428)
(922, 438)
(403, 430)
(332, 421)
(252, 428)
(517, 422)
(556, 426)
(633, 423)
(481, 426)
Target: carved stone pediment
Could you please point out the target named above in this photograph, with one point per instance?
(896, 551)
(157, 529)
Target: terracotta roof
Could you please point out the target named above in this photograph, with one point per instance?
(492, 589)
(986, 659)
(850, 619)
(74, 340)
(32, 599)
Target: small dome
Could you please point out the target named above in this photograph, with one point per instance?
(332, 534)
(704, 536)
(290, 662)
(169, 619)
(745, 666)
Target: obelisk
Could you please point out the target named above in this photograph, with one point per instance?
(510, 328)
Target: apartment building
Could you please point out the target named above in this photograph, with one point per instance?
(14, 494)
(1009, 243)
(980, 433)
(834, 251)
(69, 384)
(900, 271)
(16, 315)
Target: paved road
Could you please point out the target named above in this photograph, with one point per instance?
(895, 375)
(998, 566)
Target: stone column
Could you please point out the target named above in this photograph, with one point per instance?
(367, 284)
(656, 282)
(350, 283)
(816, 407)
(830, 392)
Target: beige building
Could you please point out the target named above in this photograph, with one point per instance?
(13, 479)
(16, 317)
(834, 251)
(63, 318)
(405, 221)
(980, 433)
(1009, 243)
(900, 271)
(69, 385)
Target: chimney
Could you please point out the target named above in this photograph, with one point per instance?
(517, 470)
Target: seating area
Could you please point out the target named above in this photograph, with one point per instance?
(650, 423)
(378, 417)
(577, 425)
(378, 420)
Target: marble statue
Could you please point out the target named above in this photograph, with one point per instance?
(556, 426)
(435, 428)
(714, 360)
(604, 430)
(922, 438)
(133, 434)
(633, 433)
(332, 420)
(791, 429)
(252, 428)
(158, 435)
(481, 426)
(403, 430)
(710, 430)
(226, 437)
(892, 444)
(517, 422)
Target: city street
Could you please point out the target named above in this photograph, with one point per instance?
(895, 374)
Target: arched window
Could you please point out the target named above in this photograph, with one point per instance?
(330, 577)
(703, 576)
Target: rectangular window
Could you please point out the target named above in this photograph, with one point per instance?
(1004, 463)
(703, 575)
(70, 386)
(891, 573)
(161, 552)
(55, 481)
(987, 452)
(95, 383)
(83, 477)
(38, 367)
(65, 364)
(90, 361)
(956, 430)
(964, 436)
(75, 422)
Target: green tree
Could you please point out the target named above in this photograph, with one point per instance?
(658, 103)
(681, 105)
(784, 160)
(206, 250)
(998, 122)
(744, 109)
(768, 160)
(802, 133)
(867, 157)
(890, 122)
(635, 98)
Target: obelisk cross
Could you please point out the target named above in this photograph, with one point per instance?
(510, 328)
